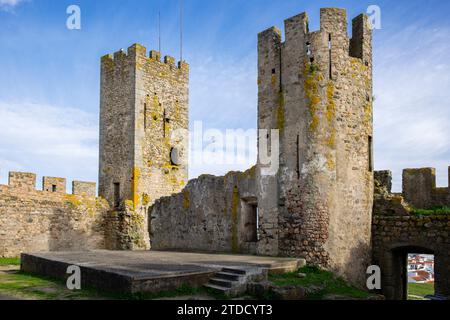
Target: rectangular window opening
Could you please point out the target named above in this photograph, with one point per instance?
(53, 188)
(145, 116)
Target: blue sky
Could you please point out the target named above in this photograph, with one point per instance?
(49, 75)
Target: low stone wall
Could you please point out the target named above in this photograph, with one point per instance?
(397, 232)
(212, 214)
(35, 221)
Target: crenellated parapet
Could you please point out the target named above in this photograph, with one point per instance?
(418, 188)
(138, 54)
(23, 183)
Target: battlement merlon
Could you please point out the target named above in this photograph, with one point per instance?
(52, 184)
(361, 41)
(26, 182)
(269, 62)
(419, 189)
(82, 188)
(23, 181)
(138, 52)
(333, 30)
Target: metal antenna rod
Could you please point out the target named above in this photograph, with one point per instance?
(181, 30)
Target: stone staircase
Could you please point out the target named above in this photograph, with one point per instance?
(233, 281)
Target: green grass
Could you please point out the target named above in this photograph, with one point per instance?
(9, 261)
(316, 277)
(433, 211)
(28, 286)
(416, 291)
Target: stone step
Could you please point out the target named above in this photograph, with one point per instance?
(221, 282)
(228, 276)
(217, 288)
(234, 271)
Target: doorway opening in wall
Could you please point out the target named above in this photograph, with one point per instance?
(420, 276)
(250, 219)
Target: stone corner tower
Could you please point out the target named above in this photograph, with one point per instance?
(143, 127)
(316, 89)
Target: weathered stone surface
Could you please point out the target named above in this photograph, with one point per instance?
(33, 221)
(316, 89)
(211, 214)
(143, 112)
(397, 232)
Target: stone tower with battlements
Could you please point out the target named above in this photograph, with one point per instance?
(143, 110)
(316, 89)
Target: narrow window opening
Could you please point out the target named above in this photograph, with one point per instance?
(164, 123)
(370, 146)
(274, 71)
(308, 49)
(53, 188)
(145, 116)
(298, 156)
(116, 195)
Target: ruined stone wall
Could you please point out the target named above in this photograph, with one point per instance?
(32, 220)
(211, 214)
(316, 88)
(396, 231)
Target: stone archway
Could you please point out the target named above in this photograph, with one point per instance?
(393, 264)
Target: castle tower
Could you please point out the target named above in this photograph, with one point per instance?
(316, 89)
(143, 108)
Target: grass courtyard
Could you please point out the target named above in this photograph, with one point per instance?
(418, 291)
(18, 285)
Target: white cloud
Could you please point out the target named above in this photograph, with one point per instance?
(412, 107)
(8, 5)
(48, 140)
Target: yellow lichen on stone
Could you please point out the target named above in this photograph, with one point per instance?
(330, 114)
(273, 80)
(145, 199)
(186, 199)
(331, 165)
(312, 93)
(134, 187)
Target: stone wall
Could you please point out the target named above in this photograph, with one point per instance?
(32, 220)
(420, 191)
(316, 89)
(211, 214)
(396, 231)
(143, 133)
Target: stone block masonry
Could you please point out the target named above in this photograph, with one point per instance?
(316, 89)
(397, 231)
(212, 214)
(143, 110)
(50, 220)
(420, 191)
